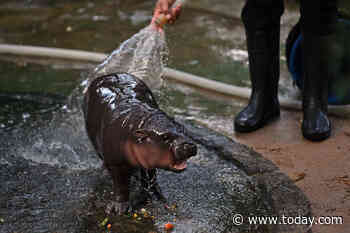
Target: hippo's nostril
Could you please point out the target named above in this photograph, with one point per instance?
(185, 150)
(191, 149)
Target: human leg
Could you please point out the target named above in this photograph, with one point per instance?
(261, 19)
(318, 26)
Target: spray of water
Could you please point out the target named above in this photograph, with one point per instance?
(143, 55)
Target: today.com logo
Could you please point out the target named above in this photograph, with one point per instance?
(238, 220)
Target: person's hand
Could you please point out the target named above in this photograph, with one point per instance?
(163, 13)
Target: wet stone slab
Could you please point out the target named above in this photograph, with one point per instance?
(223, 180)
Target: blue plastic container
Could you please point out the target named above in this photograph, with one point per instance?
(339, 89)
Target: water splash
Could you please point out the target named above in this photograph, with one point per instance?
(144, 55)
(64, 143)
(59, 142)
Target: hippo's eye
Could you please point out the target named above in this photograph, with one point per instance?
(167, 138)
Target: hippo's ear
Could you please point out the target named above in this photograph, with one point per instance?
(140, 135)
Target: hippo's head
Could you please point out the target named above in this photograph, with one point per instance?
(163, 150)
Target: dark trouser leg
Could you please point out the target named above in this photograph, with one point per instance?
(261, 20)
(318, 24)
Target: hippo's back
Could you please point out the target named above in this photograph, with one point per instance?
(111, 98)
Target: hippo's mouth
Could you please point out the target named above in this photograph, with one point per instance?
(179, 165)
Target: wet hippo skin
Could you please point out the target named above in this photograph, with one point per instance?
(129, 132)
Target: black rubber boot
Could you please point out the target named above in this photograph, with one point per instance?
(317, 73)
(264, 67)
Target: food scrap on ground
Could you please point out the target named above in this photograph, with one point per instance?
(168, 226)
(104, 222)
(172, 207)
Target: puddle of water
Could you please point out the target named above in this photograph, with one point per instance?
(214, 50)
(31, 78)
(106, 24)
(30, 93)
(18, 108)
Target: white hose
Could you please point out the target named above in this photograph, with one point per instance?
(179, 76)
(51, 52)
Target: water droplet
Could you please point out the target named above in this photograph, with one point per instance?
(194, 62)
(81, 10)
(99, 18)
(25, 115)
(68, 29)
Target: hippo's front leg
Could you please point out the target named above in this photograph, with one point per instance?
(121, 178)
(150, 185)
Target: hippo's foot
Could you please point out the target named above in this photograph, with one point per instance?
(118, 207)
(146, 197)
(157, 194)
(140, 200)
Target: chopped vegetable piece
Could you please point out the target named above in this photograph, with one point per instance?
(168, 226)
(104, 222)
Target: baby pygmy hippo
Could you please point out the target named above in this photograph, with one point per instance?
(129, 131)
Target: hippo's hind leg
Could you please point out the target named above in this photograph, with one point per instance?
(121, 178)
(150, 185)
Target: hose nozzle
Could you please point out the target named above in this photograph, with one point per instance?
(162, 20)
